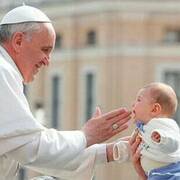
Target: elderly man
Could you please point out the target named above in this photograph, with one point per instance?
(27, 38)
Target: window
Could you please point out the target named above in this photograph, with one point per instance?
(91, 38)
(89, 96)
(58, 43)
(22, 174)
(173, 79)
(55, 111)
(172, 36)
(40, 113)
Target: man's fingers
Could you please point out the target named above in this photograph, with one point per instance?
(118, 123)
(121, 119)
(97, 112)
(102, 127)
(114, 113)
(120, 128)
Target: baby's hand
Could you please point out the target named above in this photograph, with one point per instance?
(155, 136)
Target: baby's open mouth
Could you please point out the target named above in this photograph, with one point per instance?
(133, 114)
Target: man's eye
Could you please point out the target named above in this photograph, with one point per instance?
(45, 50)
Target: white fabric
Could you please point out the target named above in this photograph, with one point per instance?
(23, 140)
(166, 151)
(24, 14)
(121, 151)
(149, 164)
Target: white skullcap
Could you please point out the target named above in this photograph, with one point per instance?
(24, 14)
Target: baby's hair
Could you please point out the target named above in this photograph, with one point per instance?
(165, 96)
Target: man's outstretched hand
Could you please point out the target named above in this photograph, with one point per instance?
(103, 126)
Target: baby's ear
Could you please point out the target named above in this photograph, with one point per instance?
(156, 110)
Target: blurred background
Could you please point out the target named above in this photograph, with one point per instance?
(106, 50)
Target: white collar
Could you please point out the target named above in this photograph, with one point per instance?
(9, 59)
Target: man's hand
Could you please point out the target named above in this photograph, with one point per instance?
(103, 126)
(134, 143)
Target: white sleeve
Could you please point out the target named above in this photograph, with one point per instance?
(121, 151)
(169, 142)
(16, 117)
(58, 154)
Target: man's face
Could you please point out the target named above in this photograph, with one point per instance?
(35, 51)
(142, 106)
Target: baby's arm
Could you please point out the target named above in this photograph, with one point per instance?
(165, 141)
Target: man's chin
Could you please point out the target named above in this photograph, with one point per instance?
(29, 80)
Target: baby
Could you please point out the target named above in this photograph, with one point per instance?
(153, 110)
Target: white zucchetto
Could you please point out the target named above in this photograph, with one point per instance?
(24, 14)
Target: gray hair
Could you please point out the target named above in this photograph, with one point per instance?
(7, 30)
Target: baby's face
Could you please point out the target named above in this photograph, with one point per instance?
(142, 107)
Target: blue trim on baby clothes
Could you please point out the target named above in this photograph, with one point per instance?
(140, 126)
(169, 172)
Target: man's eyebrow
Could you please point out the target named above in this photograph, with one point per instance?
(49, 47)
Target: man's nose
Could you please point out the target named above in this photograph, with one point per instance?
(46, 61)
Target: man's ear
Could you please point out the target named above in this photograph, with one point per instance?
(17, 41)
(156, 109)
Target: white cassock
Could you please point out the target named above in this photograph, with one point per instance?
(24, 141)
